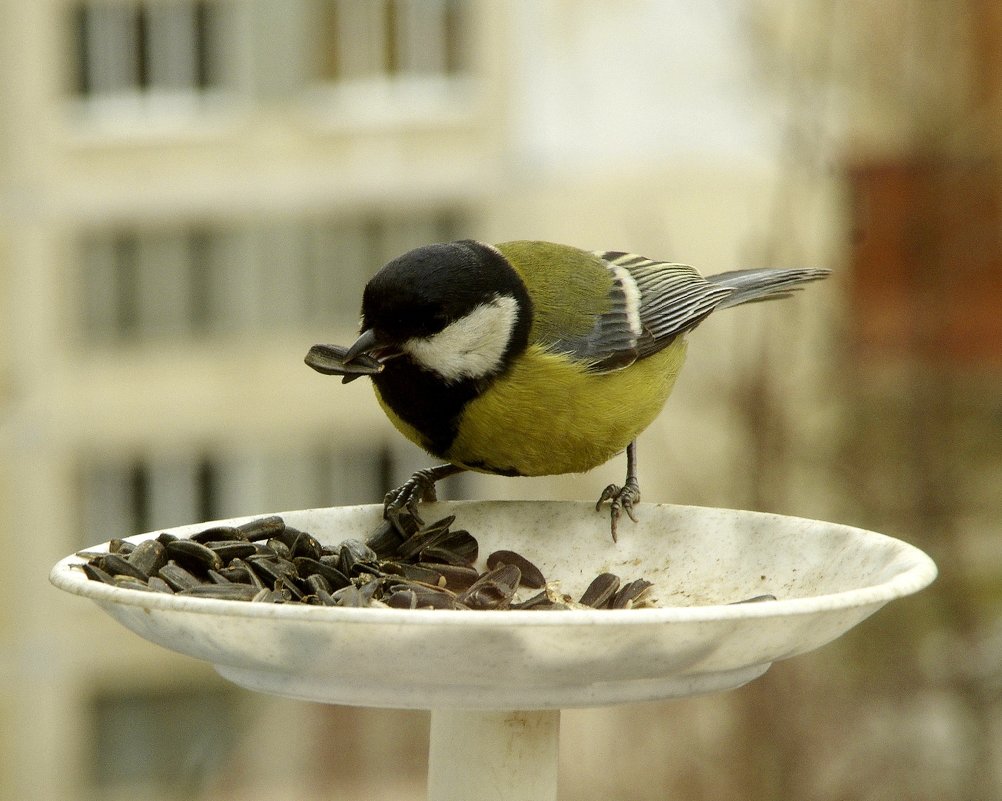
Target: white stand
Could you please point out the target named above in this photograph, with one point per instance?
(465, 666)
(476, 755)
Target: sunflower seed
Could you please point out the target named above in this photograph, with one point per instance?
(226, 592)
(218, 534)
(272, 568)
(532, 576)
(631, 595)
(148, 557)
(316, 583)
(457, 577)
(238, 571)
(217, 578)
(95, 573)
(355, 557)
(541, 600)
(298, 543)
(457, 548)
(415, 596)
(157, 584)
(330, 360)
(120, 546)
(262, 528)
(493, 590)
(277, 547)
(193, 555)
(325, 598)
(601, 591)
(177, 577)
(385, 540)
(403, 564)
(306, 567)
(350, 596)
(230, 550)
(118, 565)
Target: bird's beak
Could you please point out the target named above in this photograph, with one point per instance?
(370, 343)
(367, 342)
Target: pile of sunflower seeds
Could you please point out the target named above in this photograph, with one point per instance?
(402, 565)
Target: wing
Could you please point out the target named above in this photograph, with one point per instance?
(674, 298)
(650, 303)
(612, 341)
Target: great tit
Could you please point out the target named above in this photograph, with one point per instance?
(531, 358)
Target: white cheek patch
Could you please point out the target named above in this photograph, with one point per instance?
(472, 346)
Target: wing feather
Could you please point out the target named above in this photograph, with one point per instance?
(674, 298)
(653, 302)
(612, 342)
(650, 303)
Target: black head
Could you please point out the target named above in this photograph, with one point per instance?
(424, 290)
(458, 309)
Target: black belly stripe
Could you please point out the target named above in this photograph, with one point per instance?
(433, 408)
(424, 401)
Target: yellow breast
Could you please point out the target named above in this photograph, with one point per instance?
(548, 415)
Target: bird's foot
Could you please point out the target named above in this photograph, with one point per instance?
(419, 487)
(621, 498)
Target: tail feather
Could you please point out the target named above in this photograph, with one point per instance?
(751, 286)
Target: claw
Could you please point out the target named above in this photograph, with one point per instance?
(419, 487)
(622, 497)
(405, 498)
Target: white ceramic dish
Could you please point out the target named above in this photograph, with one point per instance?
(827, 578)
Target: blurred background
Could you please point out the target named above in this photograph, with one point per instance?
(193, 192)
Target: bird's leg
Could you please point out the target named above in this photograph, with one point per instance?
(419, 487)
(626, 496)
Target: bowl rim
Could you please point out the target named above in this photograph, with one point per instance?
(917, 571)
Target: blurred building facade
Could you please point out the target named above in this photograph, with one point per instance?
(192, 192)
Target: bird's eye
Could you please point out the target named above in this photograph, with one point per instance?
(424, 322)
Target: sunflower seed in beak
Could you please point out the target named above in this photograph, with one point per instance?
(332, 360)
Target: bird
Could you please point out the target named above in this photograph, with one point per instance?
(531, 358)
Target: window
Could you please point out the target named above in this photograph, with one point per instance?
(124, 495)
(143, 284)
(387, 39)
(130, 48)
(140, 284)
